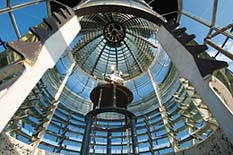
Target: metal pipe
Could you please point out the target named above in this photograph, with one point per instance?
(86, 137)
(214, 13)
(134, 57)
(116, 55)
(19, 6)
(98, 58)
(224, 43)
(180, 8)
(109, 142)
(128, 141)
(3, 43)
(221, 50)
(216, 28)
(220, 31)
(48, 6)
(13, 21)
(134, 136)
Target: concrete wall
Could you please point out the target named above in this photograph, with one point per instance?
(11, 146)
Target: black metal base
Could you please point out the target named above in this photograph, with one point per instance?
(90, 118)
(107, 95)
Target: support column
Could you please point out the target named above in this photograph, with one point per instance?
(94, 135)
(86, 137)
(134, 136)
(109, 143)
(122, 142)
(128, 141)
(164, 115)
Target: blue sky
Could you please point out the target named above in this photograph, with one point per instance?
(203, 9)
(25, 17)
